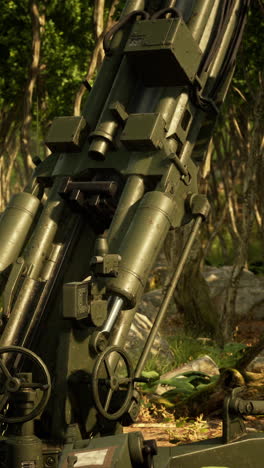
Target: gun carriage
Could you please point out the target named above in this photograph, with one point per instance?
(77, 246)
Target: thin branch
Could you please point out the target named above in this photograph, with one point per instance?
(98, 17)
(28, 96)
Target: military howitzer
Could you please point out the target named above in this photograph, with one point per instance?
(77, 246)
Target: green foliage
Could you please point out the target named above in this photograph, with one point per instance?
(250, 58)
(15, 50)
(67, 45)
(158, 365)
(67, 42)
(232, 185)
(255, 252)
(187, 383)
(186, 348)
(153, 375)
(180, 386)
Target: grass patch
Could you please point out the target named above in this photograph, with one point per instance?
(186, 348)
(190, 382)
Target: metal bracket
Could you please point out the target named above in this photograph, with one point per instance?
(234, 407)
(106, 265)
(67, 134)
(118, 110)
(233, 425)
(97, 198)
(198, 205)
(182, 168)
(85, 300)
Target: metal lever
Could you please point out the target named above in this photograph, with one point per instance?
(115, 309)
(100, 338)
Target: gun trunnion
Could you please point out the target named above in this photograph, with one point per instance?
(77, 246)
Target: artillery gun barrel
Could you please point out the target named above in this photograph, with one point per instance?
(119, 178)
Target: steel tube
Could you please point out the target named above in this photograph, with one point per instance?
(132, 193)
(98, 95)
(14, 226)
(141, 244)
(114, 312)
(199, 19)
(35, 256)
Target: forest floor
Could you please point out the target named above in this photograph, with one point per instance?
(185, 431)
(167, 430)
(249, 331)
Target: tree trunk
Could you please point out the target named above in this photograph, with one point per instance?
(37, 22)
(192, 293)
(8, 151)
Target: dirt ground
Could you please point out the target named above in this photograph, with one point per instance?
(249, 331)
(167, 434)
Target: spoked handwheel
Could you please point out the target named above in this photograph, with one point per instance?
(11, 384)
(112, 382)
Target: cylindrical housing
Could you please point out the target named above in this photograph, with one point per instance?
(132, 193)
(198, 21)
(24, 449)
(218, 62)
(106, 76)
(167, 103)
(107, 126)
(14, 226)
(141, 245)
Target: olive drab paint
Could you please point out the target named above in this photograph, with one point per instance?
(77, 246)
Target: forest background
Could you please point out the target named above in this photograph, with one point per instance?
(48, 50)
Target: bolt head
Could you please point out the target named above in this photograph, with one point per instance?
(13, 384)
(50, 461)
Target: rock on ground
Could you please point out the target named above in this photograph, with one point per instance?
(250, 296)
(249, 305)
(137, 337)
(257, 365)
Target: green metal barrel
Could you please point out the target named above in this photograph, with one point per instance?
(14, 226)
